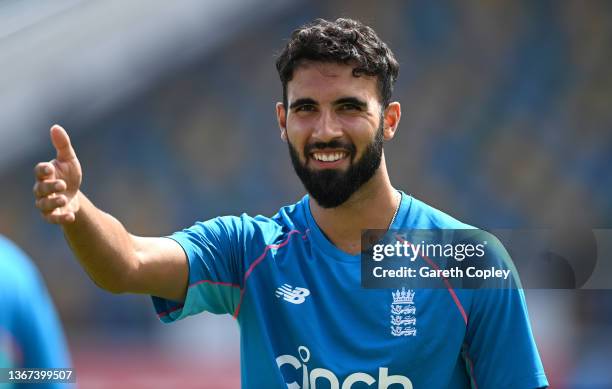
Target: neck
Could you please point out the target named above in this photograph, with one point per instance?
(371, 207)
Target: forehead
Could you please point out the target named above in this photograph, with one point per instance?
(323, 81)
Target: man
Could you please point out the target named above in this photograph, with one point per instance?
(30, 333)
(293, 281)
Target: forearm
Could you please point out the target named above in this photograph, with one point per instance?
(114, 259)
(104, 248)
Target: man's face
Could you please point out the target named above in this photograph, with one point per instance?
(334, 130)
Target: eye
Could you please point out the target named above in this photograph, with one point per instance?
(350, 107)
(305, 108)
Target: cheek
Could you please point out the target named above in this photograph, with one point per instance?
(360, 130)
(357, 125)
(297, 132)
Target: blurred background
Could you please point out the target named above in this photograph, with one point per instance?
(507, 122)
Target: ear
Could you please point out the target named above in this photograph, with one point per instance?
(391, 116)
(281, 117)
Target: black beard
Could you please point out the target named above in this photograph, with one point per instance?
(330, 187)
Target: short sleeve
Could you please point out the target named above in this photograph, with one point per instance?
(215, 250)
(42, 337)
(29, 324)
(499, 348)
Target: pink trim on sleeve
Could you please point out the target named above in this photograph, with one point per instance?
(257, 262)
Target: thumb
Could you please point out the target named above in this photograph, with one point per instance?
(62, 145)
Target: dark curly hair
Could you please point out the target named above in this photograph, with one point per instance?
(344, 41)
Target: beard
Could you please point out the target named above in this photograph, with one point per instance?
(333, 187)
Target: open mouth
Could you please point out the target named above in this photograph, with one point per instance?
(329, 156)
(328, 159)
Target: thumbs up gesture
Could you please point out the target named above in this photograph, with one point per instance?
(58, 181)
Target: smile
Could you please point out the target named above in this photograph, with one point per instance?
(329, 156)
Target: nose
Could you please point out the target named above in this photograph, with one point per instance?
(327, 128)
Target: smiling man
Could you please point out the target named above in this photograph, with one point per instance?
(335, 127)
(293, 281)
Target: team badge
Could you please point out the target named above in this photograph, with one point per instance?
(403, 313)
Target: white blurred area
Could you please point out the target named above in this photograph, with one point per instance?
(205, 335)
(89, 57)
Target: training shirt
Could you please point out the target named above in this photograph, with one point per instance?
(30, 332)
(306, 322)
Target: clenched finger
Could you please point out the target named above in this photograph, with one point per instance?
(60, 218)
(45, 188)
(50, 204)
(44, 170)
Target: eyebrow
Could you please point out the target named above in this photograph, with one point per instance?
(340, 101)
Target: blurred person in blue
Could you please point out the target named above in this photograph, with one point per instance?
(292, 281)
(31, 335)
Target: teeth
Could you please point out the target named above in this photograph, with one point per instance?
(329, 157)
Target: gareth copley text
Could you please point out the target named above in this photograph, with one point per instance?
(428, 272)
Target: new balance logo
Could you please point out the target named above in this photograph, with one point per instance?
(291, 294)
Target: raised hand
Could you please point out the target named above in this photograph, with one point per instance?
(58, 181)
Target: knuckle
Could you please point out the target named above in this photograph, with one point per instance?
(48, 188)
(48, 205)
(39, 191)
(41, 168)
(40, 204)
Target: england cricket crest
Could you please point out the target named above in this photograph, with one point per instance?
(403, 313)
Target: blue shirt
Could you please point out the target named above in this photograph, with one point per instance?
(30, 332)
(306, 322)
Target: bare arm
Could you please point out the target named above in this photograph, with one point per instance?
(114, 259)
